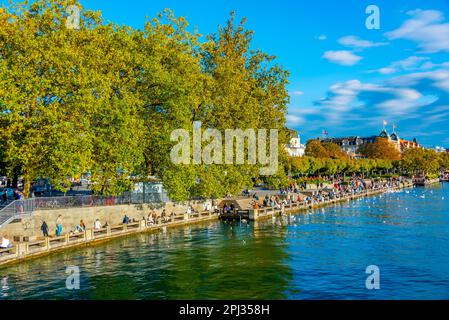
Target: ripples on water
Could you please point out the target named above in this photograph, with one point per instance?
(320, 255)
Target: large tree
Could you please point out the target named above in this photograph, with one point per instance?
(382, 148)
(104, 99)
(314, 148)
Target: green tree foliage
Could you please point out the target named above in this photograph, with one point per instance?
(103, 99)
(421, 161)
(444, 161)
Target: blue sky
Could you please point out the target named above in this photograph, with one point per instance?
(345, 78)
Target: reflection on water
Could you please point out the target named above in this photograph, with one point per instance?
(320, 255)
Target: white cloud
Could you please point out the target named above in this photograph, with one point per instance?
(426, 28)
(355, 42)
(345, 98)
(438, 79)
(321, 37)
(387, 70)
(417, 98)
(408, 64)
(294, 120)
(342, 57)
(296, 93)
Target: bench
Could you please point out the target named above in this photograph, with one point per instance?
(194, 215)
(8, 251)
(133, 225)
(177, 217)
(117, 228)
(102, 232)
(76, 236)
(37, 245)
(56, 241)
(166, 219)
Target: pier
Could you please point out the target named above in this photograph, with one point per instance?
(425, 182)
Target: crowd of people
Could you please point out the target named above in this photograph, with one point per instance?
(332, 188)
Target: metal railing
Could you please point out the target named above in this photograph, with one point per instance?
(19, 208)
(15, 209)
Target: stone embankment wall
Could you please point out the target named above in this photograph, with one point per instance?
(113, 215)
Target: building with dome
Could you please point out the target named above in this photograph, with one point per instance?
(294, 147)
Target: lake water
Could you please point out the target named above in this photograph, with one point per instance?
(320, 255)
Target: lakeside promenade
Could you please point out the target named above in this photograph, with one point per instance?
(33, 249)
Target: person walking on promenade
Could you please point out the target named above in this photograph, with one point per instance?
(5, 197)
(19, 198)
(16, 194)
(44, 228)
(59, 225)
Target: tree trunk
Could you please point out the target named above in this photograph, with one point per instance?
(15, 181)
(26, 186)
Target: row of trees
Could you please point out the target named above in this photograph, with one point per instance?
(305, 166)
(380, 156)
(424, 161)
(103, 99)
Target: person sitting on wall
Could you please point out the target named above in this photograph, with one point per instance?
(97, 225)
(80, 227)
(150, 220)
(163, 216)
(216, 210)
(5, 243)
(125, 219)
(207, 206)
